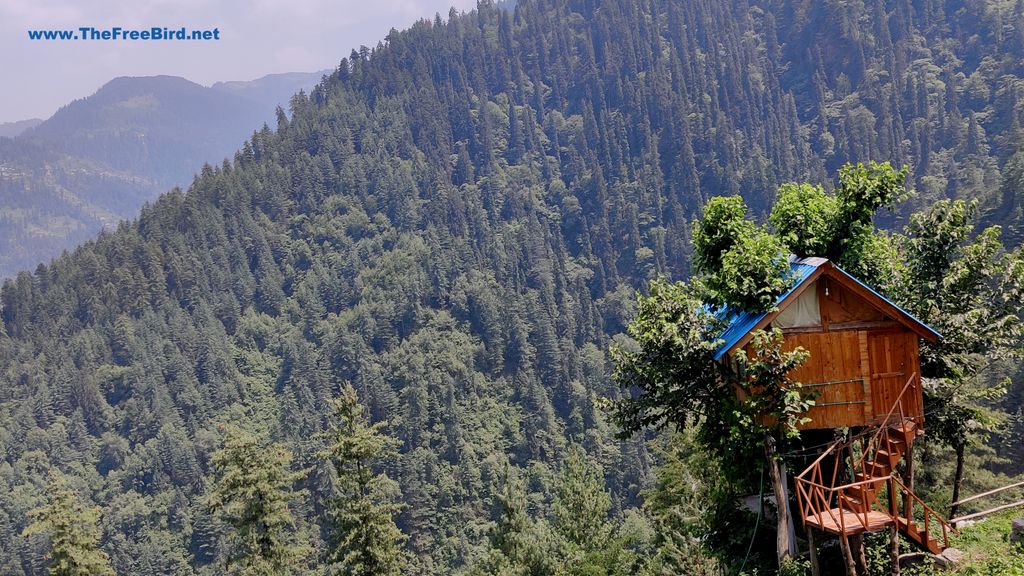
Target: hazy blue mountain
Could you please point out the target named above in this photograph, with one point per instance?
(100, 158)
(274, 89)
(12, 129)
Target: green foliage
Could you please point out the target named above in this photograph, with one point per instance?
(970, 289)
(251, 493)
(752, 275)
(670, 361)
(724, 224)
(795, 567)
(671, 366)
(367, 541)
(579, 537)
(812, 222)
(741, 264)
(453, 221)
(72, 530)
(682, 506)
(581, 504)
(805, 217)
(774, 402)
(863, 190)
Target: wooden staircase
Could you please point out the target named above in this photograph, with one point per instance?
(871, 497)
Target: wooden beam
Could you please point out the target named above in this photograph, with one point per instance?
(859, 556)
(844, 545)
(956, 521)
(864, 325)
(865, 372)
(894, 549)
(989, 493)
(879, 302)
(812, 548)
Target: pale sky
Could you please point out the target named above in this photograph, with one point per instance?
(258, 37)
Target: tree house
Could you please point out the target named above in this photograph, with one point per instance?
(863, 347)
(864, 370)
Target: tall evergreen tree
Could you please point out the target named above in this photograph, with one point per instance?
(251, 492)
(73, 530)
(367, 540)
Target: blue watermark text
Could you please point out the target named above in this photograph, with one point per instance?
(121, 34)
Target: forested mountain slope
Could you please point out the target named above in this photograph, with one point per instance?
(455, 223)
(98, 159)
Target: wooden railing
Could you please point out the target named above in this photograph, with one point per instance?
(816, 501)
(911, 503)
(897, 416)
(822, 495)
(984, 513)
(813, 497)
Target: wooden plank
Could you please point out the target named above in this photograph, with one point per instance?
(987, 512)
(989, 493)
(865, 372)
(853, 521)
(864, 325)
(851, 368)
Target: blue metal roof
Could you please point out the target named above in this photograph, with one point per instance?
(740, 323)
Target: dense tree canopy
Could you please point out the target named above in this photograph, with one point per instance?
(455, 222)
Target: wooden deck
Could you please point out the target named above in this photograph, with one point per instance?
(854, 521)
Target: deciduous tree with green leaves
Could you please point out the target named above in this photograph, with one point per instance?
(966, 285)
(738, 410)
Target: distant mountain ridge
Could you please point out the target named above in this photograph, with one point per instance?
(98, 159)
(12, 129)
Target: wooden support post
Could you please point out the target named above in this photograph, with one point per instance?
(908, 470)
(894, 549)
(783, 543)
(844, 545)
(790, 527)
(812, 548)
(857, 548)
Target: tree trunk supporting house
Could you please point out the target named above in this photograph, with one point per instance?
(812, 549)
(894, 550)
(857, 548)
(783, 544)
(844, 545)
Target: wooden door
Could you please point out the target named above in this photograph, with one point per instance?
(892, 360)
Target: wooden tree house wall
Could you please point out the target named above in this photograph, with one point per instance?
(863, 349)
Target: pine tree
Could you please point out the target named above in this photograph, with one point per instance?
(581, 504)
(74, 533)
(251, 492)
(367, 540)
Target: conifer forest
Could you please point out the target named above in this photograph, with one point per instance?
(454, 311)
